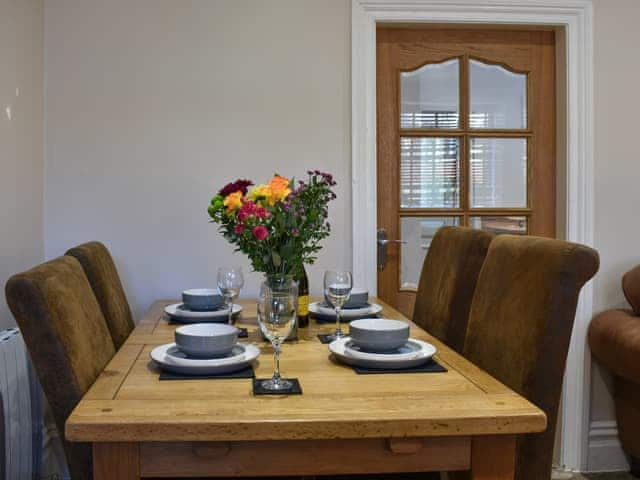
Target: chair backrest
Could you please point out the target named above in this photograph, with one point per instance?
(105, 282)
(631, 288)
(520, 325)
(67, 338)
(447, 282)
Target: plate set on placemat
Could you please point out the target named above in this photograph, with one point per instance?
(204, 348)
(200, 305)
(383, 344)
(358, 306)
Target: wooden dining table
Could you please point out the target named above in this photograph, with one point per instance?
(343, 423)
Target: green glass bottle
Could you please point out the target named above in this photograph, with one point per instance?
(303, 300)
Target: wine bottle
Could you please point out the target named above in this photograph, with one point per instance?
(303, 300)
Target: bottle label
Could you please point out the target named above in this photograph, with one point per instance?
(303, 305)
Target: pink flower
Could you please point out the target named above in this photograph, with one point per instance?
(262, 212)
(260, 232)
(248, 209)
(239, 228)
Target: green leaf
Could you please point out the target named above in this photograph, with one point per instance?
(277, 260)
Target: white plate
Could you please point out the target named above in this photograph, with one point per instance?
(347, 313)
(170, 358)
(414, 353)
(179, 313)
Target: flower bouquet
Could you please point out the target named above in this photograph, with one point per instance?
(278, 225)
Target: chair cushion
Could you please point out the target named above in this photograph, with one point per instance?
(447, 282)
(105, 281)
(614, 339)
(520, 324)
(67, 338)
(631, 288)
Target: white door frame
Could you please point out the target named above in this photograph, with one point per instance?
(575, 17)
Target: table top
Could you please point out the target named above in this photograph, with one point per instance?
(128, 403)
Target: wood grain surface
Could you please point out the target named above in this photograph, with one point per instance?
(128, 403)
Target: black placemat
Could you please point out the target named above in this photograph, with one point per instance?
(243, 332)
(432, 366)
(295, 389)
(326, 337)
(244, 373)
(323, 319)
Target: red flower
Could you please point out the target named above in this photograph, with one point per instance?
(260, 232)
(238, 185)
(248, 208)
(239, 228)
(262, 212)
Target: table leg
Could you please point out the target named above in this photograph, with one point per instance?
(493, 457)
(116, 460)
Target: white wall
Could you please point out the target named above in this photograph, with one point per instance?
(153, 105)
(21, 130)
(617, 170)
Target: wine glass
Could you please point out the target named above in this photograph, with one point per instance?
(277, 316)
(230, 281)
(337, 290)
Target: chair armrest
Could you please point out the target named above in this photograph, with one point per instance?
(614, 338)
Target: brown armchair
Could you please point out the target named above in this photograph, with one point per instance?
(614, 338)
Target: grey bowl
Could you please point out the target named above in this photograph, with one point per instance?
(202, 299)
(206, 340)
(379, 334)
(359, 299)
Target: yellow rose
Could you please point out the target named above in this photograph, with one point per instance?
(279, 187)
(261, 192)
(233, 201)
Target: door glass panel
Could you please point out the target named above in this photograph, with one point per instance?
(512, 225)
(498, 173)
(430, 96)
(498, 97)
(429, 172)
(418, 233)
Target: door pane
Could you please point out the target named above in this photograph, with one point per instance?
(430, 96)
(512, 225)
(418, 233)
(429, 172)
(498, 97)
(498, 173)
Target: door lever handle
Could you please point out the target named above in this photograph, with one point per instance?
(384, 241)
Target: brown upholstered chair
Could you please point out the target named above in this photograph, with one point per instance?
(447, 282)
(105, 281)
(520, 324)
(67, 338)
(614, 338)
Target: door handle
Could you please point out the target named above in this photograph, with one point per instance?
(382, 242)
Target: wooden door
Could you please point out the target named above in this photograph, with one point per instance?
(466, 136)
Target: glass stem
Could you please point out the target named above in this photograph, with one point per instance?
(338, 329)
(276, 360)
(230, 307)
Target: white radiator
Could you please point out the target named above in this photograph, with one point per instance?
(22, 407)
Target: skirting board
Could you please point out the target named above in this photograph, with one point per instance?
(605, 453)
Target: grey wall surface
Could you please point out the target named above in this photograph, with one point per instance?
(153, 105)
(21, 137)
